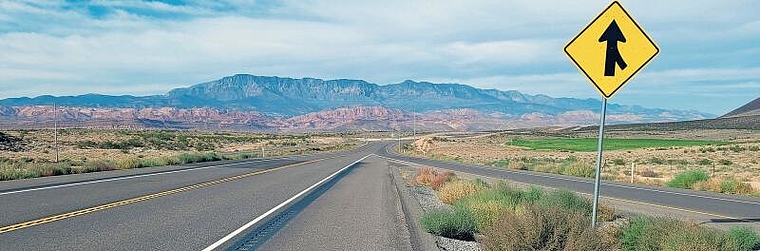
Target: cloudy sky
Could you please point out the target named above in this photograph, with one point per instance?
(709, 59)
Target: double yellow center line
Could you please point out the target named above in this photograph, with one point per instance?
(72, 214)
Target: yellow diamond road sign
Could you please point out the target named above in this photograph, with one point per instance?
(611, 49)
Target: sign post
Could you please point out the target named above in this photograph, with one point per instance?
(609, 51)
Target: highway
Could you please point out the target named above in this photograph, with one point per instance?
(328, 201)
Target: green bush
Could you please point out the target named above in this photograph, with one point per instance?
(698, 238)
(457, 223)
(647, 233)
(745, 238)
(565, 200)
(725, 162)
(687, 179)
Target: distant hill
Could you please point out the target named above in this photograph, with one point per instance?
(750, 109)
(261, 102)
(744, 117)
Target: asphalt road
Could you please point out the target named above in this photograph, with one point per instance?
(723, 208)
(189, 219)
(329, 201)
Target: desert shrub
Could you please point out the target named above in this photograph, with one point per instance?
(501, 163)
(565, 200)
(698, 238)
(429, 177)
(18, 173)
(687, 179)
(457, 223)
(127, 163)
(517, 165)
(100, 165)
(618, 162)
(745, 238)
(542, 229)
(173, 160)
(754, 148)
(682, 162)
(424, 176)
(533, 194)
(486, 212)
(704, 162)
(737, 149)
(579, 169)
(649, 173)
(547, 168)
(657, 161)
(441, 178)
(487, 204)
(606, 213)
(647, 233)
(186, 158)
(53, 169)
(150, 162)
(725, 162)
(733, 186)
(455, 190)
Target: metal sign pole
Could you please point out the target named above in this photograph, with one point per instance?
(597, 180)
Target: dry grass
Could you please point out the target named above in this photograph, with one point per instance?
(543, 229)
(457, 189)
(725, 185)
(428, 177)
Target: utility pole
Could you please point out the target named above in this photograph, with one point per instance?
(398, 132)
(55, 130)
(414, 124)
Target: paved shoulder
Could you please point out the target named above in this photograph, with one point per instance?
(361, 211)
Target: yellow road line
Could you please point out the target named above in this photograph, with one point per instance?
(72, 214)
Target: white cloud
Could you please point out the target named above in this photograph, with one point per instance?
(46, 48)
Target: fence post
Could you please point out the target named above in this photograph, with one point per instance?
(633, 169)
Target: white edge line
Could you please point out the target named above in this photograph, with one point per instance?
(611, 184)
(271, 211)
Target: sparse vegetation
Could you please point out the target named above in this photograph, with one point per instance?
(727, 185)
(655, 233)
(505, 218)
(93, 150)
(590, 144)
(688, 179)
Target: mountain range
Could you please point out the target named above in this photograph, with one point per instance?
(249, 102)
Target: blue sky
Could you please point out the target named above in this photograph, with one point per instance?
(709, 59)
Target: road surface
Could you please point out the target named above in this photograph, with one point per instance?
(330, 201)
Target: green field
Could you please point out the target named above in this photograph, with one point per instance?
(590, 144)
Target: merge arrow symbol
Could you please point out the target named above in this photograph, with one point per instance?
(612, 35)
